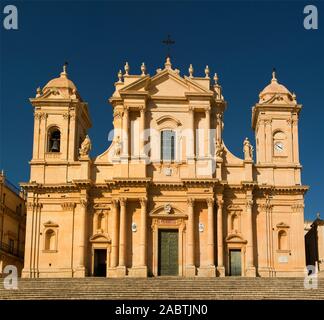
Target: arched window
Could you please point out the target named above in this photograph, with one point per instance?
(167, 145)
(50, 240)
(54, 140)
(282, 240)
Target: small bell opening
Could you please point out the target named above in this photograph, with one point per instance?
(54, 140)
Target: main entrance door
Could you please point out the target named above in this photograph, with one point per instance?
(100, 262)
(168, 253)
(235, 263)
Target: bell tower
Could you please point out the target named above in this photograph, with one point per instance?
(61, 122)
(275, 122)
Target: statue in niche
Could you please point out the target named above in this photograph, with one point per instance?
(117, 149)
(247, 149)
(219, 149)
(85, 147)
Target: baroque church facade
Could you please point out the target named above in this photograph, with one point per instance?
(167, 198)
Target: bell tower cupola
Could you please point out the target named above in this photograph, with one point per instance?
(275, 122)
(61, 123)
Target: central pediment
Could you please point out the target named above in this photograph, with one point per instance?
(166, 83)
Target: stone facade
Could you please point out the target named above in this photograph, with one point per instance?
(167, 197)
(12, 225)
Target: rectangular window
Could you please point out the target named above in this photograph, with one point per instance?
(168, 145)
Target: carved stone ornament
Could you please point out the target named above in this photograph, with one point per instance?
(168, 171)
(167, 208)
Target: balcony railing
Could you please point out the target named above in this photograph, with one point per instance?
(14, 251)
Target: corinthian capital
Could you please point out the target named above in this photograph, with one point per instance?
(30, 205)
(43, 115)
(220, 203)
(114, 203)
(210, 202)
(67, 206)
(190, 201)
(83, 203)
(123, 201)
(143, 202)
(37, 115)
(249, 203)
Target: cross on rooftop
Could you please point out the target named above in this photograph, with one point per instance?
(168, 42)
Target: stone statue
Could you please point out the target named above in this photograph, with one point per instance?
(219, 149)
(85, 147)
(247, 149)
(117, 149)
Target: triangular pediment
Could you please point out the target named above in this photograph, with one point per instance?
(165, 83)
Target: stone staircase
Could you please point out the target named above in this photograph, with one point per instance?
(230, 288)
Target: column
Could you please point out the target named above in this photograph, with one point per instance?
(143, 248)
(190, 268)
(43, 135)
(191, 137)
(82, 240)
(73, 143)
(295, 141)
(220, 258)
(122, 233)
(142, 129)
(261, 144)
(210, 230)
(36, 135)
(250, 272)
(114, 235)
(125, 131)
(268, 138)
(207, 112)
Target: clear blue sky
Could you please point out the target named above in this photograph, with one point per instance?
(241, 41)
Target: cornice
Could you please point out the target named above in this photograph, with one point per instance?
(199, 181)
(272, 107)
(179, 186)
(133, 93)
(120, 182)
(76, 185)
(82, 182)
(300, 189)
(271, 165)
(36, 102)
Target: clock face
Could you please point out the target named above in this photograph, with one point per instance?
(279, 146)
